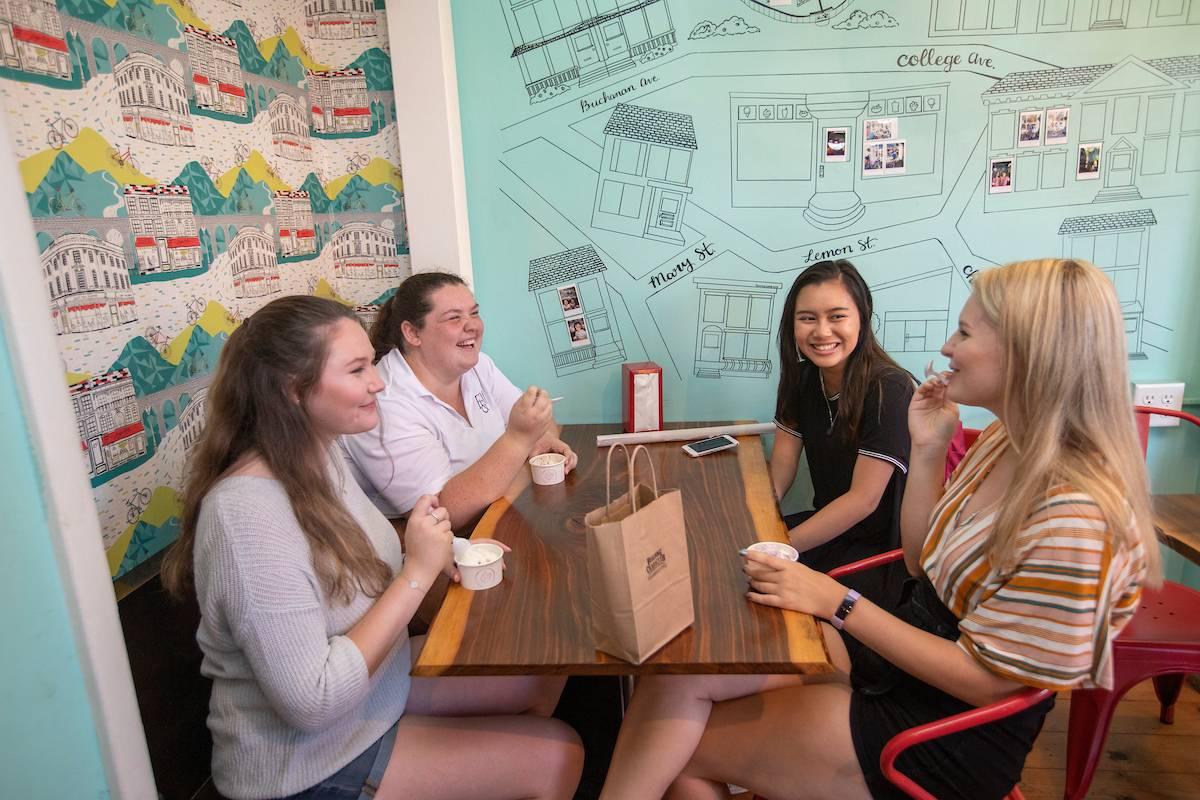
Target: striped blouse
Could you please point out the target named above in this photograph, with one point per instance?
(1050, 621)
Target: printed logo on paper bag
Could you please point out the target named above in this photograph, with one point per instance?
(655, 563)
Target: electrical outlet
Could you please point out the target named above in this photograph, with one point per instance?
(1159, 395)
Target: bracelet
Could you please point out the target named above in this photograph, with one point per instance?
(838, 620)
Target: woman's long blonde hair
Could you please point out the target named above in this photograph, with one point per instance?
(1066, 400)
(257, 404)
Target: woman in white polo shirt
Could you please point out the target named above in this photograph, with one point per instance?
(450, 423)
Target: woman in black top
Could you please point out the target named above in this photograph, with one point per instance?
(843, 402)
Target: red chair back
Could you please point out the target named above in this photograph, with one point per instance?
(1142, 416)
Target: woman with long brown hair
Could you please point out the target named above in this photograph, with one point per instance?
(305, 595)
(842, 403)
(1024, 566)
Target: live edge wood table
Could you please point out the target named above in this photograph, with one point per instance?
(1177, 517)
(537, 621)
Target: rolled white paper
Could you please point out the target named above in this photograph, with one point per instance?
(685, 434)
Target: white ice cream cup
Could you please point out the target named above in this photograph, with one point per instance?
(548, 468)
(776, 549)
(480, 566)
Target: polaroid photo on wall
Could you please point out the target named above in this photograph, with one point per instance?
(872, 159)
(568, 298)
(1087, 168)
(1000, 176)
(893, 157)
(836, 144)
(1029, 129)
(577, 330)
(880, 129)
(1056, 125)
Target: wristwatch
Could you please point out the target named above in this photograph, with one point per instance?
(838, 620)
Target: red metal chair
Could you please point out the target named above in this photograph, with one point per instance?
(1161, 642)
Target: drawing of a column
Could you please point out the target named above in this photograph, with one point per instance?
(836, 204)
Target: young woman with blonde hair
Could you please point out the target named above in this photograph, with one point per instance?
(1024, 566)
(305, 596)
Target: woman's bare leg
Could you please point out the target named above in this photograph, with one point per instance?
(482, 738)
(668, 717)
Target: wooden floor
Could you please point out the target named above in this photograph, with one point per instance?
(1143, 759)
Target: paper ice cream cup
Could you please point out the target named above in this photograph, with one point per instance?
(776, 549)
(480, 566)
(548, 468)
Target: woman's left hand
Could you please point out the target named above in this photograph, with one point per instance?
(787, 584)
(552, 444)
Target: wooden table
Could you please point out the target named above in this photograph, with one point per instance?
(1177, 517)
(538, 620)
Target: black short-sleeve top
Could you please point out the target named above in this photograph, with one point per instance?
(882, 434)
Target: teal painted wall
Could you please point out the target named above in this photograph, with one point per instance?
(48, 746)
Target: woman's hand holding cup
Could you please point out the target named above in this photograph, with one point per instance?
(932, 415)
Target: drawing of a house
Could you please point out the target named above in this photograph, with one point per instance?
(563, 43)
(110, 423)
(643, 185)
(955, 17)
(778, 150)
(1145, 114)
(31, 38)
(163, 223)
(733, 329)
(582, 268)
(1119, 244)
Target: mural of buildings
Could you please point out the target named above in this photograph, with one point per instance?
(216, 71)
(733, 329)
(340, 19)
(362, 251)
(31, 38)
(779, 150)
(973, 17)
(88, 283)
(583, 269)
(289, 128)
(293, 215)
(153, 101)
(564, 43)
(253, 263)
(191, 421)
(643, 185)
(165, 235)
(367, 315)
(1119, 244)
(1145, 115)
(110, 423)
(339, 101)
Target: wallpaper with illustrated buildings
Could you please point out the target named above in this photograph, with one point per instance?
(185, 162)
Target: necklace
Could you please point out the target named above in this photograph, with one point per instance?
(828, 409)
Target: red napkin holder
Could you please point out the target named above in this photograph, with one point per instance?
(641, 396)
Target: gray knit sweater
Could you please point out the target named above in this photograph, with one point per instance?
(291, 700)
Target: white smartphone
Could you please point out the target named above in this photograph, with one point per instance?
(713, 445)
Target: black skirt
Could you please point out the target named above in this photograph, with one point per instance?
(881, 585)
(977, 764)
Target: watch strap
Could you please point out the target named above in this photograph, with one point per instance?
(838, 620)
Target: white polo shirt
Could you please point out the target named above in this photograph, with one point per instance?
(421, 442)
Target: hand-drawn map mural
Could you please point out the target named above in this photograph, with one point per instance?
(187, 161)
(685, 160)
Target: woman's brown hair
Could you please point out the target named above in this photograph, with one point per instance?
(411, 303)
(257, 404)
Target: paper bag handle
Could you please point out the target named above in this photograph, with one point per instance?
(629, 460)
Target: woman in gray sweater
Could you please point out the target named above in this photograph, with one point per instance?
(305, 596)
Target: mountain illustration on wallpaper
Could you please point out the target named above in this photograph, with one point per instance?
(316, 194)
(244, 189)
(83, 179)
(155, 527)
(142, 18)
(283, 65)
(294, 46)
(375, 187)
(323, 289)
(377, 68)
(193, 352)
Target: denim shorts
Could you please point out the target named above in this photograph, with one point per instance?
(358, 780)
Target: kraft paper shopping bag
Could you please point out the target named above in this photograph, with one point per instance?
(637, 555)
